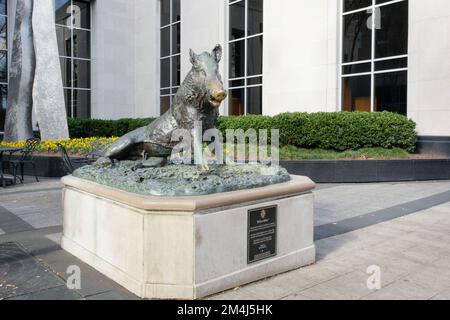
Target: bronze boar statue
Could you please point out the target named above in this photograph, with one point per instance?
(197, 100)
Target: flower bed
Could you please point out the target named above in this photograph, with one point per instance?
(81, 146)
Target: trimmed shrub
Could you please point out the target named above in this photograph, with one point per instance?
(88, 128)
(338, 131)
(347, 130)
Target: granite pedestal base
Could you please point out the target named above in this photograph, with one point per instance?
(185, 247)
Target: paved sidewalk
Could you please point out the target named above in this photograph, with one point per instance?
(412, 252)
(402, 228)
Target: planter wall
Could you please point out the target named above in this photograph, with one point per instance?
(433, 144)
(321, 171)
(49, 167)
(355, 171)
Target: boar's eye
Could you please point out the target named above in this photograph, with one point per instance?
(201, 72)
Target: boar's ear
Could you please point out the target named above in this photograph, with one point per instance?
(193, 57)
(217, 53)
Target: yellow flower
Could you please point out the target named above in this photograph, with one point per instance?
(82, 146)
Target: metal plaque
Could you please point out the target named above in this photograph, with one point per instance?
(262, 234)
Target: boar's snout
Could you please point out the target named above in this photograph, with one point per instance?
(217, 94)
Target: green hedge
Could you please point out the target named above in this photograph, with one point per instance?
(87, 128)
(331, 131)
(334, 131)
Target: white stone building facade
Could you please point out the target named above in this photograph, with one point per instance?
(125, 58)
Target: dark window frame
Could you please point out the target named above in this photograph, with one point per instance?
(167, 93)
(347, 67)
(242, 84)
(71, 89)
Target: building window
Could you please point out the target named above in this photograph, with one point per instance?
(3, 62)
(73, 28)
(170, 52)
(375, 55)
(245, 72)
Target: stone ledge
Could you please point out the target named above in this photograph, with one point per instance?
(297, 185)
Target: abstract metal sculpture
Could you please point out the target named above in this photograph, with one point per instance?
(48, 94)
(197, 100)
(35, 75)
(18, 125)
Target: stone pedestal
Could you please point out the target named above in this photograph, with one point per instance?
(189, 247)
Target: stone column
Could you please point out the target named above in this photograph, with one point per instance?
(18, 124)
(48, 93)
